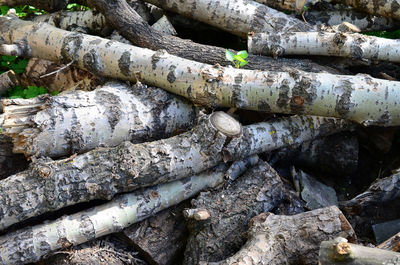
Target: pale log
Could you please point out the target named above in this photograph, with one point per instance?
(102, 173)
(60, 125)
(360, 98)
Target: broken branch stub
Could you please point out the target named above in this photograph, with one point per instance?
(339, 251)
(360, 98)
(102, 173)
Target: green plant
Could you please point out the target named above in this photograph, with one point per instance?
(21, 92)
(384, 34)
(76, 7)
(17, 64)
(238, 59)
(22, 11)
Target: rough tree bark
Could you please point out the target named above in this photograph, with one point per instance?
(60, 125)
(123, 18)
(352, 45)
(31, 243)
(279, 239)
(236, 16)
(392, 244)
(386, 8)
(259, 190)
(7, 80)
(379, 203)
(338, 251)
(359, 98)
(101, 173)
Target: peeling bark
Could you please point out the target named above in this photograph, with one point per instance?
(338, 251)
(259, 190)
(60, 125)
(102, 173)
(355, 46)
(31, 243)
(359, 98)
(236, 16)
(279, 239)
(379, 203)
(123, 18)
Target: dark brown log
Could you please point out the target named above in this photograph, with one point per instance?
(123, 18)
(340, 252)
(161, 238)
(216, 238)
(279, 239)
(379, 203)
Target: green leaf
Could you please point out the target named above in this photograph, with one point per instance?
(229, 55)
(55, 93)
(243, 63)
(238, 58)
(243, 54)
(34, 91)
(4, 10)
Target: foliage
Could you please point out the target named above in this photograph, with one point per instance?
(17, 64)
(22, 11)
(20, 92)
(385, 34)
(238, 59)
(76, 7)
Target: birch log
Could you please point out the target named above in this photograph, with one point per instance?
(60, 125)
(359, 98)
(236, 16)
(339, 251)
(32, 243)
(351, 45)
(386, 8)
(122, 17)
(279, 239)
(102, 173)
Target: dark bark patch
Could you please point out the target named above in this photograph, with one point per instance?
(155, 58)
(86, 227)
(70, 46)
(304, 93)
(343, 105)
(384, 120)
(263, 106)
(124, 63)
(112, 103)
(92, 62)
(395, 7)
(95, 42)
(171, 74)
(283, 98)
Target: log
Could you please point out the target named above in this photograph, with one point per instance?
(102, 173)
(339, 251)
(31, 243)
(279, 239)
(353, 45)
(359, 98)
(386, 8)
(160, 239)
(259, 190)
(60, 125)
(120, 16)
(8, 80)
(392, 244)
(10, 163)
(379, 203)
(235, 16)
(49, 6)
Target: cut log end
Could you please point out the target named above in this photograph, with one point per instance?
(226, 124)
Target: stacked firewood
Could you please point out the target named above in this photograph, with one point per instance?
(147, 121)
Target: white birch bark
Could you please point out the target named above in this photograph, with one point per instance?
(102, 173)
(31, 243)
(60, 125)
(359, 98)
(236, 16)
(351, 45)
